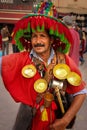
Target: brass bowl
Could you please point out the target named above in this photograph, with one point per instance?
(74, 79)
(28, 71)
(61, 71)
(40, 85)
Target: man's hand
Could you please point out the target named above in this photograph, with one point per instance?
(59, 124)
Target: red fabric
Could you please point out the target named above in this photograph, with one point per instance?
(44, 125)
(38, 124)
(74, 50)
(20, 88)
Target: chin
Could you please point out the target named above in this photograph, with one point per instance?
(39, 51)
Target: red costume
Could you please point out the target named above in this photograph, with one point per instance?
(21, 88)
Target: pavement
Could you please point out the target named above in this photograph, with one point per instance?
(9, 109)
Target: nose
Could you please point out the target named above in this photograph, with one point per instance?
(38, 39)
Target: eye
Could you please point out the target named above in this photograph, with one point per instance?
(34, 35)
(43, 35)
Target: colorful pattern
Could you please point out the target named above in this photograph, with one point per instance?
(45, 18)
(47, 8)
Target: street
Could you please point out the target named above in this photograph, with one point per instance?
(8, 108)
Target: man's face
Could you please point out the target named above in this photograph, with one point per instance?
(40, 42)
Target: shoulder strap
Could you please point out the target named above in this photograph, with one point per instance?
(60, 57)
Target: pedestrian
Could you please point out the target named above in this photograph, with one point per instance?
(34, 71)
(14, 47)
(5, 39)
(74, 49)
(0, 44)
(81, 48)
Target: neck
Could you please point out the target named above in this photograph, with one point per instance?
(45, 56)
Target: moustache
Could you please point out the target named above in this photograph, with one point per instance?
(39, 45)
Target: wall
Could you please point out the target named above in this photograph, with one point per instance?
(75, 6)
(16, 5)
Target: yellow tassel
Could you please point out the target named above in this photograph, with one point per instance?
(44, 115)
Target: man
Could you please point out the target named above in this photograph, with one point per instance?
(5, 39)
(81, 48)
(27, 70)
(74, 50)
(0, 45)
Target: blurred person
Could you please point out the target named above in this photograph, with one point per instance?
(84, 41)
(5, 39)
(43, 53)
(0, 44)
(14, 47)
(0, 41)
(74, 49)
(81, 49)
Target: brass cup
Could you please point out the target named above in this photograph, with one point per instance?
(48, 98)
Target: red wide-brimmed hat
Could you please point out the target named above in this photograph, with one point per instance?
(45, 18)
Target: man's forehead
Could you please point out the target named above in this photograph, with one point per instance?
(40, 32)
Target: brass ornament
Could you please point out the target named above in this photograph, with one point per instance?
(48, 98)
(40, 85)
(61, 71)
(74, 79)
(28, 71)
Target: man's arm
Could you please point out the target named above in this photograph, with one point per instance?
(61, 124)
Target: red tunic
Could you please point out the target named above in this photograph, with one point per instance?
(22, 89)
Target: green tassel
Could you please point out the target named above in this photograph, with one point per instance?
(38, 28)
(56, 33)
(62, 37)
(67, 47)
(33, 30)
(64, 40)
(42, 28)
(19, 33)
(51, 31)
(27, 29)
(20, 46)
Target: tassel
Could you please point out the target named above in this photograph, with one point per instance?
(44, 115)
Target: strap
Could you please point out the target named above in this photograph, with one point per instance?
(60, 57)
(47, 74)
(39, 65)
